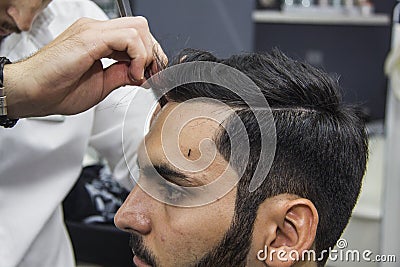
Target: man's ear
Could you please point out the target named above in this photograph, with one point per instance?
(289, 229)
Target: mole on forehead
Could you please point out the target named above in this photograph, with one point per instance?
(202, 171)
(197, 133)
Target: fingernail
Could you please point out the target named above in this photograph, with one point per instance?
(142, 74)
(131, 77)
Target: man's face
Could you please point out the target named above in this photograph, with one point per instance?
(168, 235)
(18, 15)
(173, 225)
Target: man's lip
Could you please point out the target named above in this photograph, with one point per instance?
(139, 262)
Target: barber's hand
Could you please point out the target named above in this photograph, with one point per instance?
(67, 77)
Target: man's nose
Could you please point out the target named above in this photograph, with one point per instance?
(135, 213)
(23, 18)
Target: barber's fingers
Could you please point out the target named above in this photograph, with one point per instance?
(137, 22)
(129, 42)
(116, 76)
(139, 60)
(124, 39)
(159, 54)
(132, 35)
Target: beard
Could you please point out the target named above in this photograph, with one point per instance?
(138, 248)
(232, 250)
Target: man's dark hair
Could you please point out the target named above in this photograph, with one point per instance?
(321, 146)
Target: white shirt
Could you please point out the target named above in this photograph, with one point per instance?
(40, 160)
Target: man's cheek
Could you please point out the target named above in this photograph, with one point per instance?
(176, 250)
(202, 231)
(184, 245)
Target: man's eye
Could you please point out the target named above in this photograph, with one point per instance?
(172, 193)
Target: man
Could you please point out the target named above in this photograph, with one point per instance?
(304, 200)
(41, 157)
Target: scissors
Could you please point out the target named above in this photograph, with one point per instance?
(125, 8)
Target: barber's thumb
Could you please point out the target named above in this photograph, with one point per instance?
(117, 75)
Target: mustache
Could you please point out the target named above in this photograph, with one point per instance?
(10, 27)
(138, 248)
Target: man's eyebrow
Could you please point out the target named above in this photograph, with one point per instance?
(169, 174)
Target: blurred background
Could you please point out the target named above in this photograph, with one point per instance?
(349, 39)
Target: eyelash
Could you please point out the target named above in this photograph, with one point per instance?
(168, 192)
(171, 193)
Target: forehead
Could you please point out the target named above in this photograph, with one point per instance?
(183, 135)
(180, 127)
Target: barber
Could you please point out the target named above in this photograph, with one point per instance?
(67, 77)
(41, 157)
